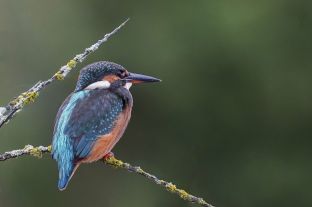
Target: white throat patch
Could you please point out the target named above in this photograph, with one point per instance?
(98, 85)
(128, 85)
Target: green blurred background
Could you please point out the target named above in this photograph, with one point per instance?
(230, 122)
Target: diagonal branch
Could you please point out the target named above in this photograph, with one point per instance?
(112, 161)
(7, 112)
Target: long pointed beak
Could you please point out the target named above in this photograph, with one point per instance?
(138, 78)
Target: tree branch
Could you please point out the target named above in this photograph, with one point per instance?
(112, 161)
(16, 105)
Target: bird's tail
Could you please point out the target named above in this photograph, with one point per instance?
(65, 174)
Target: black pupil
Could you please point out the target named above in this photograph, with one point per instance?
(122, 74)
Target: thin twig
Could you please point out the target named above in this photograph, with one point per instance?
(112, 161)
(7, 112)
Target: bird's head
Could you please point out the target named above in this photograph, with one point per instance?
(104, 75)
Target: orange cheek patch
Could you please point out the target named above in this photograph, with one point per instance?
(111, 78)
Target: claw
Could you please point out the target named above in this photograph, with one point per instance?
(108, 155)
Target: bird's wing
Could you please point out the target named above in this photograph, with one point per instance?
(86, 116)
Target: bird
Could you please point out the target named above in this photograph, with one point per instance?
(93, 117)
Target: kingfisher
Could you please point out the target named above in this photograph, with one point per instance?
(93, 117)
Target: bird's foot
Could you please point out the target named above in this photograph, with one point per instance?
(108, 155)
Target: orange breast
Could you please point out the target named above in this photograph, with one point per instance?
(106, 142)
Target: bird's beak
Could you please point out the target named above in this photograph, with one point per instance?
(138, 78)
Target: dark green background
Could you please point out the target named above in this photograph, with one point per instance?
(230, 122)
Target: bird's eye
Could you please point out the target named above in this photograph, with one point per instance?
(123, 74)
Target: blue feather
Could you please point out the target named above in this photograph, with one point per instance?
(62, 145)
